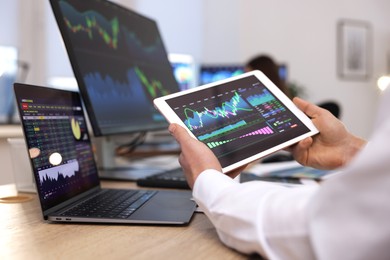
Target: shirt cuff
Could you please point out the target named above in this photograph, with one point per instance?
(210, 183)
(238, 225)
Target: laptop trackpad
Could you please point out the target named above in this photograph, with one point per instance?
(167, 207)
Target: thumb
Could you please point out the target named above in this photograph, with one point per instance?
(308, 108)
(178, 132)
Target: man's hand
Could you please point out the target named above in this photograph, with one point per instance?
(333, 147)
(195, 156)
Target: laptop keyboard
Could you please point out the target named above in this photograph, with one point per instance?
(169, 179)
(111, 203)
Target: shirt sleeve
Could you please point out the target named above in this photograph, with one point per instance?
(256, 217)
(346, 218)
(349, 216)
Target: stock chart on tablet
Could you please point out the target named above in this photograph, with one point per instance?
(240, 115)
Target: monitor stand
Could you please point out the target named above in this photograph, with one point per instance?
(157, 154)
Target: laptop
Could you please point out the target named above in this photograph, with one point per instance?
(65, 172)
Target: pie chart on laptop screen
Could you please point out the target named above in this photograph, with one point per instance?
(75, 129)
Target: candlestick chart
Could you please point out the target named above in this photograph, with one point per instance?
(199, 119)
(91, 25)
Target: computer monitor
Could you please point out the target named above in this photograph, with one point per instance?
(283, 72)
(183, 69)
(212, 73)
(120, 63)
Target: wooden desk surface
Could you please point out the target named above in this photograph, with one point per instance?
(24, 235)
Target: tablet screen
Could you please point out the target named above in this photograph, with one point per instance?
(238, 119)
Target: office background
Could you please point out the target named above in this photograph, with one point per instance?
(301, 34)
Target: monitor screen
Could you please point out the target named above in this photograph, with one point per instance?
(120, 63)
(183, 70)
(283, 72)
(212, 73)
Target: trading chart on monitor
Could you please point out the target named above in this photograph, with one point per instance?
(120, 63)
(212, 73)
(183, 70)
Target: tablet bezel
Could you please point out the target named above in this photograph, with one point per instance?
(170, 115)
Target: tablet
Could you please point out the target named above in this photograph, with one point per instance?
(241, 119)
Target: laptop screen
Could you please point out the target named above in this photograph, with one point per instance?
(58, 142)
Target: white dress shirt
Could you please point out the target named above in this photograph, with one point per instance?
(347, 217)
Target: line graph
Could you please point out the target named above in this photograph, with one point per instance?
(153, 86)
(115, 32)
(57, 173)
(196, 120)
(92, 24)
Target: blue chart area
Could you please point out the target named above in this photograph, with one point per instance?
(120, 96)
(217, 115)
(266, 103)
(214, 74)
(137, 49)
(259, 99)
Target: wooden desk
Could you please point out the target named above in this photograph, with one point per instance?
(24, 235)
